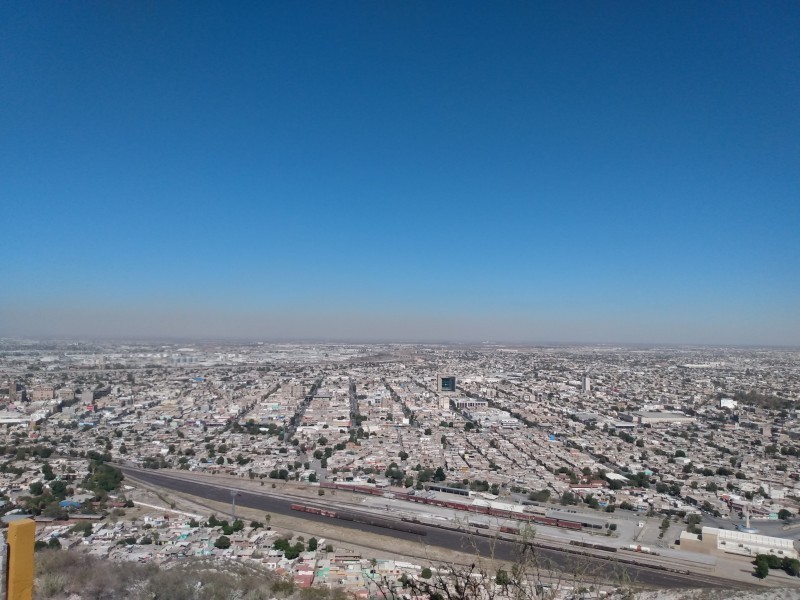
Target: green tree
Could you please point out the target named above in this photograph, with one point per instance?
(47, 471)
(568, 498)
(54, 511)
(791, 566)
(773, 562)
(82, 527)
(58, 488)
(105, 478)
(223, 542)
(539, 496)
(762, 567)
(502, 577)
(213, 521)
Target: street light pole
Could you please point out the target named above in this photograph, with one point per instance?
(234, 493)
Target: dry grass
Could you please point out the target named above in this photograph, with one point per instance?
(63, 575)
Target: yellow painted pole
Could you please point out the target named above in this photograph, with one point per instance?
(21, 536)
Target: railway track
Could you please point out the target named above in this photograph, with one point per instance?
(610, 567)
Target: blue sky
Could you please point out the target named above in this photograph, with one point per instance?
(402, 170)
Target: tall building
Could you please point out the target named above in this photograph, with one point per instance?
(43, 392)
(445, 383)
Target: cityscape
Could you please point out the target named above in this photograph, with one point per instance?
(676, 464)
(400, 300)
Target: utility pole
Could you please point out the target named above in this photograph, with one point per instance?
(234, 493)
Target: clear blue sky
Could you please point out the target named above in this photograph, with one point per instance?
(598, 171)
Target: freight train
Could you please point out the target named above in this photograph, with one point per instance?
(361, 518)
(530, 515)
(408, 525)
(594, 546)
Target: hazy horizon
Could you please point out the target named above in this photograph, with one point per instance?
(195, 325)
(401, 171)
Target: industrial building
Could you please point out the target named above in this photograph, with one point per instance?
(722, 541)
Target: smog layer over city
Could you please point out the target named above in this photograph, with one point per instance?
(400, 301)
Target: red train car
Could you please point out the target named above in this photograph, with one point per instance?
(506, 529)
(569, 525)
(313, 510)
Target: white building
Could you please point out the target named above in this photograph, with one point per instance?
(714, 541)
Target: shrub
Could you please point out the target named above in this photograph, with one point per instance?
(774, 562)
(791, 566)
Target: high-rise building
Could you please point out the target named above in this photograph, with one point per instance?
(445, 383)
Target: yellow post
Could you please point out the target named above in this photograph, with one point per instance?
(20, 559)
